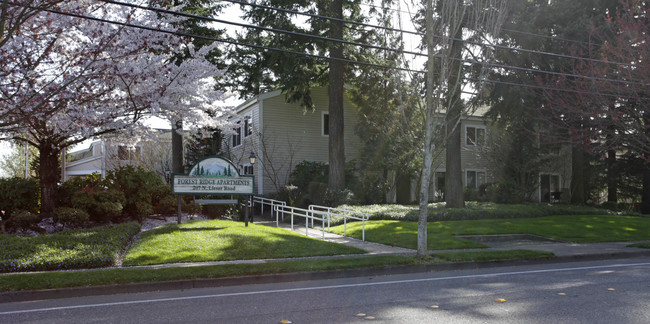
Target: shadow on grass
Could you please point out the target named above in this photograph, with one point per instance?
(228, 243)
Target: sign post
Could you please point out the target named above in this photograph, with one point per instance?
(213, 176)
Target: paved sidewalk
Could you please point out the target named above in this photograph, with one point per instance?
(371, 247)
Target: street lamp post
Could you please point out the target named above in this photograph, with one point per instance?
(251, 159)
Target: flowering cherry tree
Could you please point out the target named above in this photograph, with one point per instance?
(82, 69)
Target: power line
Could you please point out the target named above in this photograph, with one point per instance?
(221, 40)
(171, 12)
(435, 36)
(309, 55)
(183, 14)
(555, 38)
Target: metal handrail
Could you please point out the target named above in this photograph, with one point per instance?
(363, 217)
(272, 203)
(307, 214)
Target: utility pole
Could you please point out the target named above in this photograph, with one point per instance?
(177, 157)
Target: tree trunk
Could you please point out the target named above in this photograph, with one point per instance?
(612, 177)
(49, 176)
(177, 158)
(177, 147)
(336, 119)
(577, 176)
(645, 190)
(429, 135)
(454, 182)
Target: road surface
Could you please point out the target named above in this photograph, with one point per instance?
(616, 291)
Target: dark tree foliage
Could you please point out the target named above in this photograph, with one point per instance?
(542, 26)
(205, 142)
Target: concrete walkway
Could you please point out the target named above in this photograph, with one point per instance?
(371, 247)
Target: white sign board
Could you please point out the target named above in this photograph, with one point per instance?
(213, 176)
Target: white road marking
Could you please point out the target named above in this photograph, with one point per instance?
(146, 301)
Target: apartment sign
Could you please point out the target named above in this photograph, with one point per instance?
(213, 176)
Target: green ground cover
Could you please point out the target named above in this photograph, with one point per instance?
(222, 240)
(71, 249)
(645, 245)
(472, 211)
(440, 235)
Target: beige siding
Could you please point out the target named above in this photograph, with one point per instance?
(292, 135)
(285, 135)
(239, 155)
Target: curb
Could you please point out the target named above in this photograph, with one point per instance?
(31, 295)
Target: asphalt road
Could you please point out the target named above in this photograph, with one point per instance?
(616, 291)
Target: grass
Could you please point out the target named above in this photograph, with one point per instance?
(71, 249)
(499, 255)
(645, 245)
(103, 277)
(472, 211)
(440, 235)
(221, 240)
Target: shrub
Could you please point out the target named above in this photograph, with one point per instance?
(18, 194)
(503, 193)
(139, 187)
(109, 211)
(103, 205)
(23, 219)
(306, 172)
(217, 211)
(291, 194)
(188, 205)
(166, 205)
(316, 194)
(67, 189)
(370, 188)
(72, 217)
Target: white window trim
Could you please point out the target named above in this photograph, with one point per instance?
(250, 125)
(322, 123)
(241, 133)
(477, 171)
(243, 169)
(476, 127)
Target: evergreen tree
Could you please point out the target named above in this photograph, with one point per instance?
(253, 71)
(542, 26)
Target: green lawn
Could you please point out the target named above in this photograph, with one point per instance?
(473, 210)
(221, 240)
(71, 249)
(102, 277)
(572, 228)
(645, 245)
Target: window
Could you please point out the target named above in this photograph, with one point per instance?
(440, 186)
(326, 124)
(248, 125)
(122, 153)
(236, 138)
(474, 135)
(125, 153)
(549, 185)
(474, 178)
(246, 169)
